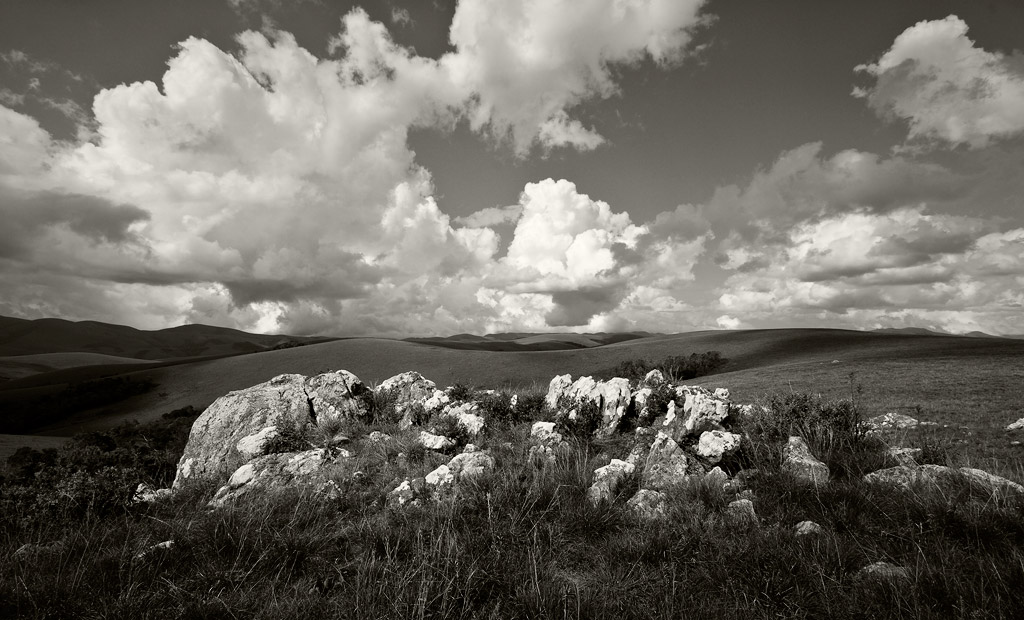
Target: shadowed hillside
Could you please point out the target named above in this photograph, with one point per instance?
(22, 337)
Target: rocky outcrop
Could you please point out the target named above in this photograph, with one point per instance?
(461, 468)
(612, 397)
(944, 478)
(798, 461)
(607, 480)
(275, 472)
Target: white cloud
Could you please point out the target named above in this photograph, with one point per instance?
(492, 216)
(946, 88)
(526, 65)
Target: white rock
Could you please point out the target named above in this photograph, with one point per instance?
(411, 390)
(378, 437)
(436, 402)
(545, 432)
(722, 393)
(798, 461)
(715, 445)
(906, 476)
(891, 421)
(648, 505)
(808, 528)
(1016, 426)
(556, 388)
(441, 477)
(613, 397)
(251, 446)
(336, 397)
(468, 417)
(274, 472)
(607, 480)
(702, 411)
(435, 442)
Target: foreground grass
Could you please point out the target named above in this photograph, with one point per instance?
(523, 542)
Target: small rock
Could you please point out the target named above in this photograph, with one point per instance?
(469, 447)
(145, 494)
(378, 437)
(807, 528)
(666, 465)
(905, 456)
(407, 492)
(891, 421)
(741, 510)
(654, 378)
(545, 431)
(166, 545)
(798, 461)
(607, 479)
(431, 441)
(884, 571)
(648, 505)
(468, 416)
(1016, 426)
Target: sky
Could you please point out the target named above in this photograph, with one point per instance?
(413, 167)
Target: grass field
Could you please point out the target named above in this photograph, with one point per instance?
(963, 382)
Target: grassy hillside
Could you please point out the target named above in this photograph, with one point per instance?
(896, 370)
(19, 366)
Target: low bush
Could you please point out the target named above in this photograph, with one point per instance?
(675, 368)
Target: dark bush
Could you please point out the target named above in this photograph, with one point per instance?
(577, 417)
(676, 368)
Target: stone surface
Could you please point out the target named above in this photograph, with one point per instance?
(904, 456)
(275, 472)
(714, 445)
(701, 411)
(716, 478)
(613, 397)
(378, 437)
(461, 468)
(906, 476)
(146, 494)
(884, 571)
(1015, 426)
(435, 442)
(469, 417)
(667, 464)
(741, 511)
(411, 391)
(545, 432)
(893, 421)
(798, 461)
(335, 397)
(407, 492)
(654, 378)
(211, 453)
(648, 505)
(607, 480)
(257, 444)
(808, 528)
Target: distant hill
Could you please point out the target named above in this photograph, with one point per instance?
(520, 341)
(41, 336)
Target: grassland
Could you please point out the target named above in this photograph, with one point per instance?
(520, 542)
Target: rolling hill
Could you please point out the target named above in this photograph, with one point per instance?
(758, 359)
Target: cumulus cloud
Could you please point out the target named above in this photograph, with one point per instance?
(947, 89)
(526, 65)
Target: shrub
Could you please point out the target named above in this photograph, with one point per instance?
(577, 417)
(450, 428)
(460, 393)
(380, 405)
(291, 437)
(676, 368)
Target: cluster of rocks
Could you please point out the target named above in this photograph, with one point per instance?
(689, 436)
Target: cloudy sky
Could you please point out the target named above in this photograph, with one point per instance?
(407, 167)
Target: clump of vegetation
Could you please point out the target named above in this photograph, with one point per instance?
(676, 368)
(460, 393)
(450, 428)
(577, 417)
(380, 405)
(291, 437)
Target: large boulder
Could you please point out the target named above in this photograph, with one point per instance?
(275, 472)
(612, 397)
(211, 452)
(798, 461)
(667, 464)
(942, 477)
(411, 391)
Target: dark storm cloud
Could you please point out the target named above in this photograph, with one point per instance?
(579, 306)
